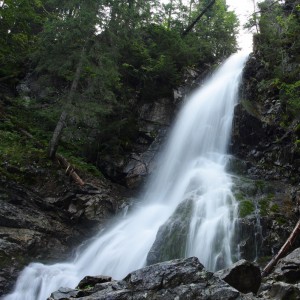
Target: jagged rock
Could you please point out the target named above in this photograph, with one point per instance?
(176, 279)
(140, 166)
(288, 268)
(41, 223)
(249, 237)
(155, 113)
(284, 291)
(243, 275)
(171, 237)
(92, 281)
(63, 293)
(284, 282)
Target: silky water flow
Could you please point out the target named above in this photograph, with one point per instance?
(192, 166)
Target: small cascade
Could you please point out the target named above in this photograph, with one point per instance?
(192, 169)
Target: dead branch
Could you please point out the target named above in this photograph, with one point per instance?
(70, 170)
(191, 26)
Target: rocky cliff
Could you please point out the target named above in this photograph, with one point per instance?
(46, 221)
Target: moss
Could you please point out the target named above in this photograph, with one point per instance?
(274, 208)
(246, 208)
(81, 164)
(250, 108)
(281, 220)
(239, 196)
(86, 287)
(297, 130)
(260, 184)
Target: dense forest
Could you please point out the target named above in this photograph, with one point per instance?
(277, 43)
(94, 63)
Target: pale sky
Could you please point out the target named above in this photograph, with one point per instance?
(243, 9)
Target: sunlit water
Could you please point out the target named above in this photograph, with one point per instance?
(191, 166)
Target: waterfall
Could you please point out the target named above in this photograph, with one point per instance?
(192, 166)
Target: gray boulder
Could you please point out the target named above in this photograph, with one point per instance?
(288, 268)
(245, 276)
(177, 279)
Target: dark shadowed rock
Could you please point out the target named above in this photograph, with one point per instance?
(92, 281)
(243, 275)
(141, 165)
(178, 279)
(284, 282)
(45, 222)
(288, 268)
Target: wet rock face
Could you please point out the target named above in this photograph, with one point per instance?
(258, 134)
(153, 122)
(141, 165)
(171, 237)
(176, 279)
(38, 228)
(267, 215)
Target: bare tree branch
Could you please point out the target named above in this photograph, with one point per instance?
(191, 26)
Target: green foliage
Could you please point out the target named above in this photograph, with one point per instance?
(279, 45)
(266, 205)
(20, 155)
(131, 52)
(20, 21)
(154, 61)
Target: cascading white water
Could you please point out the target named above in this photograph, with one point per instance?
(192, 165)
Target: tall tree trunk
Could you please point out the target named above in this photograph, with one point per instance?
(53, 145)
(254, 16)
(190, 10)
(170, 14)
(191, 26)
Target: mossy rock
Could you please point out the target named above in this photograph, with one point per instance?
(246, 208)
(250, 108)
(171, 238)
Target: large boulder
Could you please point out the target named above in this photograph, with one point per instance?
(245, 276)
(176, 279)
(170, 242)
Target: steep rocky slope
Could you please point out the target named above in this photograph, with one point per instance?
(46, 221)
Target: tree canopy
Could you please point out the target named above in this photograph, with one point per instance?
(130, 52)
(278, 44)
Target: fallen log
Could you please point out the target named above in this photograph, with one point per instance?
(70, 170)
(283, 250)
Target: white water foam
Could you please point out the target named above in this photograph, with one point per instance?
(192, 165)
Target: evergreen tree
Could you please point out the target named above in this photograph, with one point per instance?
(20, 21)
